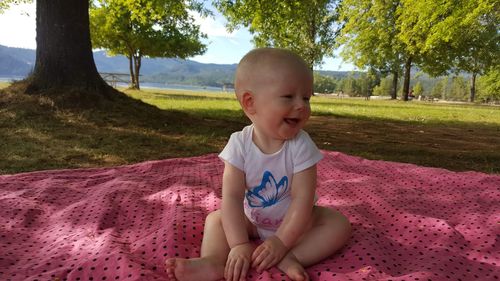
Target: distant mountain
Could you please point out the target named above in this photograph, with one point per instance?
(20, 62)
(170, 70)
(16, 61)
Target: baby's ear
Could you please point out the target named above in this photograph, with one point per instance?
(247, 103)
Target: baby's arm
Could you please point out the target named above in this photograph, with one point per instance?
(234, 223)
(294, 224)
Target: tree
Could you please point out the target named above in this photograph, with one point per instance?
(479, 49)
(458, 89)
(385, 87)
(305, 27)
(151, 28)
(418, 89)
(350, 86)
(440, 88)
(324, 84)
(64, 64)
(459, 35)
(369, 37)
(64, 53)
(489, 85)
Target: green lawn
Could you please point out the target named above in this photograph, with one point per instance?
(37, 135)
(4, 85)
(224, 104)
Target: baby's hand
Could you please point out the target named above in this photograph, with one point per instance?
(269, 253)
(238, 262)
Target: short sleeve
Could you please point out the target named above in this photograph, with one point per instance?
(306, 153)
(233, 151)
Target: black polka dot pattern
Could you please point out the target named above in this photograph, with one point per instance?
(409, 222)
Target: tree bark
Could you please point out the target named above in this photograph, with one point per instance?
(64, 56)
(394, 91)
(137, 65)
(406, 84)
(473, 87)
(131, 69)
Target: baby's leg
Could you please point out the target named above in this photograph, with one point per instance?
(214, 251)
(330, 230)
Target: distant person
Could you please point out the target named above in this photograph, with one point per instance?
(411, 95)
(269, 181)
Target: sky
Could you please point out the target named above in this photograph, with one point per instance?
(17, 29)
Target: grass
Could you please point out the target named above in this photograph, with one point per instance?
(412, 112)
(4, 85)
(37, 135)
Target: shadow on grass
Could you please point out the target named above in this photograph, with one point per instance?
(447, 146)
(36, 135)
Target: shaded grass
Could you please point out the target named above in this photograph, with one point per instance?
(37, 135)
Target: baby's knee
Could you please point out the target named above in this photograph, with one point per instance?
(336, 221)
(213, 217)
(344, 225)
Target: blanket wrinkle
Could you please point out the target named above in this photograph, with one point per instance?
(121, 223)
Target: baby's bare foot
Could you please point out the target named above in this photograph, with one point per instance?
(292, 268)
(193, 269)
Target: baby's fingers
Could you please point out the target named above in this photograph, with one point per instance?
(236, 269)
(244, 270)
(257, 252)
(266, 263)
(229, 269)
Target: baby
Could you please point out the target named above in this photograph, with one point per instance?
(269, 182)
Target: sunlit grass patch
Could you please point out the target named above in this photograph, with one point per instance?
(413, 111)
(4, 84)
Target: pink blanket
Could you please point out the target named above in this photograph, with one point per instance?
(410, 222)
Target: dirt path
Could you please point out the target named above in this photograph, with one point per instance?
(451, 147)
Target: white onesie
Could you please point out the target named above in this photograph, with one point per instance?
(269, 176)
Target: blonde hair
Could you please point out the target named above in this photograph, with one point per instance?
(264, 60)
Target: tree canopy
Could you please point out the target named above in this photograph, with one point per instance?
(152, 28)
(453, 35)
(369, 36)
(438, 37)
(305, 27)
(5, 4)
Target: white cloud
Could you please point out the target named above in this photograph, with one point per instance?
(18, 26)
(213, 25)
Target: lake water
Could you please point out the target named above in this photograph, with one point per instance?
(145, 85)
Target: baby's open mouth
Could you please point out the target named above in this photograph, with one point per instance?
(292, 121)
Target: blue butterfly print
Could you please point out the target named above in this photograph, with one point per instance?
(269, 192)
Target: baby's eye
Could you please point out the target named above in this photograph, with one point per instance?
(287, 96)
(307, 99)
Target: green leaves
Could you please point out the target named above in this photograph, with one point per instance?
(5, 4)
(306, 27)
(439, 36)
(152, 28)
(369, 34)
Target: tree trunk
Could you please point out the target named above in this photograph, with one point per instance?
(445, 86)
(394, 92)
(406, 84)
(473, 87)
(64, 56)
(131, 69)
(137, 65)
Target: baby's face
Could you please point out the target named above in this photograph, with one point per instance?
(282, 102)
